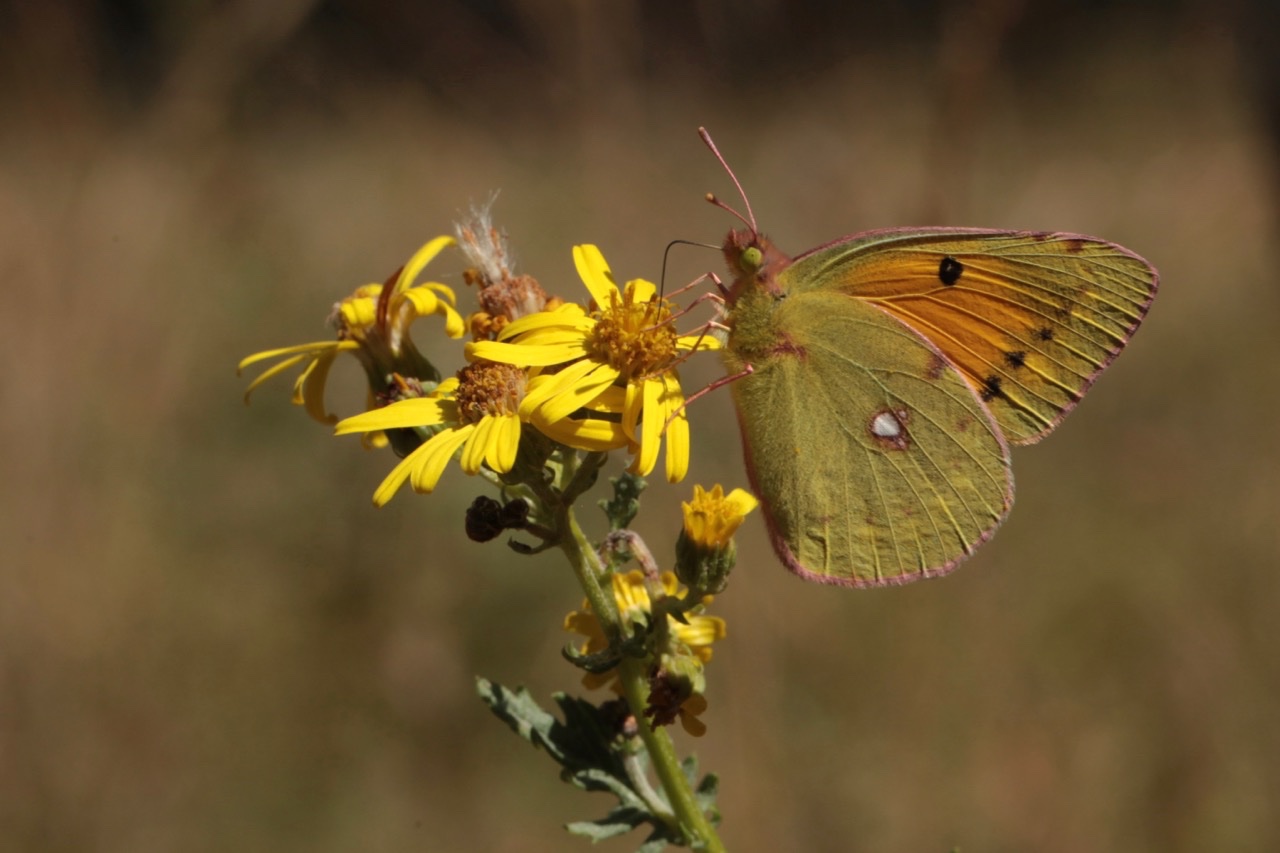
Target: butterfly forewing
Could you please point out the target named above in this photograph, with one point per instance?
(876, 461)
(1029, 318)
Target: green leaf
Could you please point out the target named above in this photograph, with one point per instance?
(620, 821)
(625, 503)
(596, 753)
(575, 744)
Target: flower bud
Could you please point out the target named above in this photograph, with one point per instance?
(705, 552)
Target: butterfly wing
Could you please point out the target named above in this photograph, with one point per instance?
(875, 461)
(1029, 318)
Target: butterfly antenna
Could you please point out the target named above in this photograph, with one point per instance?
(750, 219)
(662, 282)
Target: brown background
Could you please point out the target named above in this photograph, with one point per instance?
(209, 640)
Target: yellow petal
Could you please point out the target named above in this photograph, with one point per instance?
(392, 482)
(523, 356)
(741, 501)
(311, 387)
(632, 408)
(614, 400)
(361, 312)
(585, 434)
(402, 414)
(299, 354)
(435, 455)
(701, 630)
(274, 370)
(676, 428)
(541, 392)
(502, 450)
(580, 393)
(595, 274)
(477, 446)
(420, 259)
(423, 300)
(567, 316)
(442, 290)
(650, 429)
(454, 325)
(296, 349)
(552, 336)
(677, 449)
(641, 290)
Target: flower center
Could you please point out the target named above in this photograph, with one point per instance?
(488, 388)
(627, 336)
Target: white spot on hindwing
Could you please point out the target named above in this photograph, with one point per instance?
(889, 428)
(886, 425)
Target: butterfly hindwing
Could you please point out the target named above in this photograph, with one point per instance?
(1029, 318)
(875, 460)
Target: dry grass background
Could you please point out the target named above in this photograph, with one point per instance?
(209, 640)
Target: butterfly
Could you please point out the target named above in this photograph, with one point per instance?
(880, 380)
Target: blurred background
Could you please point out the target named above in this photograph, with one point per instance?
(210, 640)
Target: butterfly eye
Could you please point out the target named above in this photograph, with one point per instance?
(750, 259)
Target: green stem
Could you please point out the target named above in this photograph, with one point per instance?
(587, 567)
(662, 752)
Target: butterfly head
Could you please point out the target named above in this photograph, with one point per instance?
(753, 260)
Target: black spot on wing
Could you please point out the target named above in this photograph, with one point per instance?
(1016, 358)
(991, 388)
(949, 271)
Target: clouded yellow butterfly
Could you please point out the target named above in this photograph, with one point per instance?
(880, 379)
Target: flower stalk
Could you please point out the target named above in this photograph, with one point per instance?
(694, 825)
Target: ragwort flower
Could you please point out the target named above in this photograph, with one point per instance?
(625, 342)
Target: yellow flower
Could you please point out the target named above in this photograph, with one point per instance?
(476, 412)
(711, 518)
(626, 342)
(705, 552)
(634, 607)
(373, 325)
